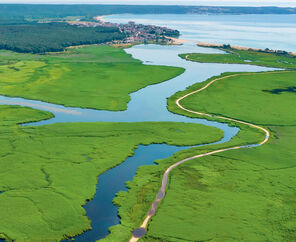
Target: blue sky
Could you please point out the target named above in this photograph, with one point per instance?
(284, 3)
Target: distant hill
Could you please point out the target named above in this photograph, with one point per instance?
(20, 11)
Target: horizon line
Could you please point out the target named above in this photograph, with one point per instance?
(144, 4)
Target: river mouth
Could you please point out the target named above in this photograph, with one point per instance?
(147, 104)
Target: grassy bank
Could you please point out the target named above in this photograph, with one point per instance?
(238, 195)
(244, 57)
(98, 77)
(134, 204)
(231, 97)
(244, 195)
(48, 172)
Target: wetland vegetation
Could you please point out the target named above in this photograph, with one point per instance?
(60, 78)
(44, 181)
(245, 194)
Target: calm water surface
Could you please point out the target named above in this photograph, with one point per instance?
(259, 31)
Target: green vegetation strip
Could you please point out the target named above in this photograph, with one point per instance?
(99, 77)
(244, 194)
(48, 172)
(245, 57)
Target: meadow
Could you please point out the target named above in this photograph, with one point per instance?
(98, 77)
(233, 96)
(244, 195)
(134, 204)
(238, 195)
(48, 172)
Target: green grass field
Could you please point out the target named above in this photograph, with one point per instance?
(233, 96)
(99, 77)
(238, 195)
(134, 204)
(244, 57)
(245, 195)
(48, 172)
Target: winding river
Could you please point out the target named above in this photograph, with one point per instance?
(150, 104)
(142, 107)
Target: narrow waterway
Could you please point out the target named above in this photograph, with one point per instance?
(101, 211)
(147, 104)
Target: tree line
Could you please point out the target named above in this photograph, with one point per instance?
(50, 37)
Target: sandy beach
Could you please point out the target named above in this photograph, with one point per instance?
(100, 18)
(177, 41)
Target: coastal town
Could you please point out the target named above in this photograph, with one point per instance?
(135, 33)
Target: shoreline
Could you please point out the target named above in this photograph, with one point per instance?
(100, 18)
(236, 47)
(177, 41)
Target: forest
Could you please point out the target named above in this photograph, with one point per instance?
(20, 11)
(50, 37)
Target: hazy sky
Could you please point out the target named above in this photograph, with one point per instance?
(284, 3)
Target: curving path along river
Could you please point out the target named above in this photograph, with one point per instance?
(140, 232)
(142, 107)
